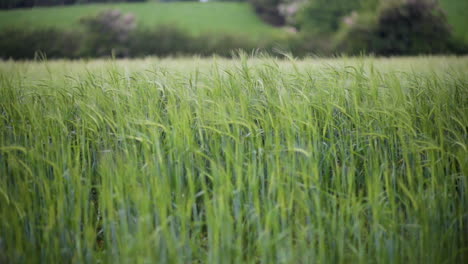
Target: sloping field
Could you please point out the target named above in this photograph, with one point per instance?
(234, 161)
(193, 16)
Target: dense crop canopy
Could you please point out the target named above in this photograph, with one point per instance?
(251, 160)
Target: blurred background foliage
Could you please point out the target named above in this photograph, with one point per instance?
(6, 4)
(301, 27)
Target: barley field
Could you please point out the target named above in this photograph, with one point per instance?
(251, 160)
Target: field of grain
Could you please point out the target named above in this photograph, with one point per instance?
(252, 160)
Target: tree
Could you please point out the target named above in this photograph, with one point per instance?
(325, 16)
(268, 11)
(402, 27)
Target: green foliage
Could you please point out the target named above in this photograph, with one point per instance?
(164, 40)
(107, 35)
(234, 161)
(324, 16)
(227, 45)
(403, 27)
(27, 44)
(108, 32)
(412, 26)
(7, 4)
(268, 11)
(172, 41)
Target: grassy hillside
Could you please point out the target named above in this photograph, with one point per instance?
(456, 13)
(193, 16)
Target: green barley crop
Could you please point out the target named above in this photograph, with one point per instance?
(243, 161)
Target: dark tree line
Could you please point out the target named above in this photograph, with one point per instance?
(8, 4)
